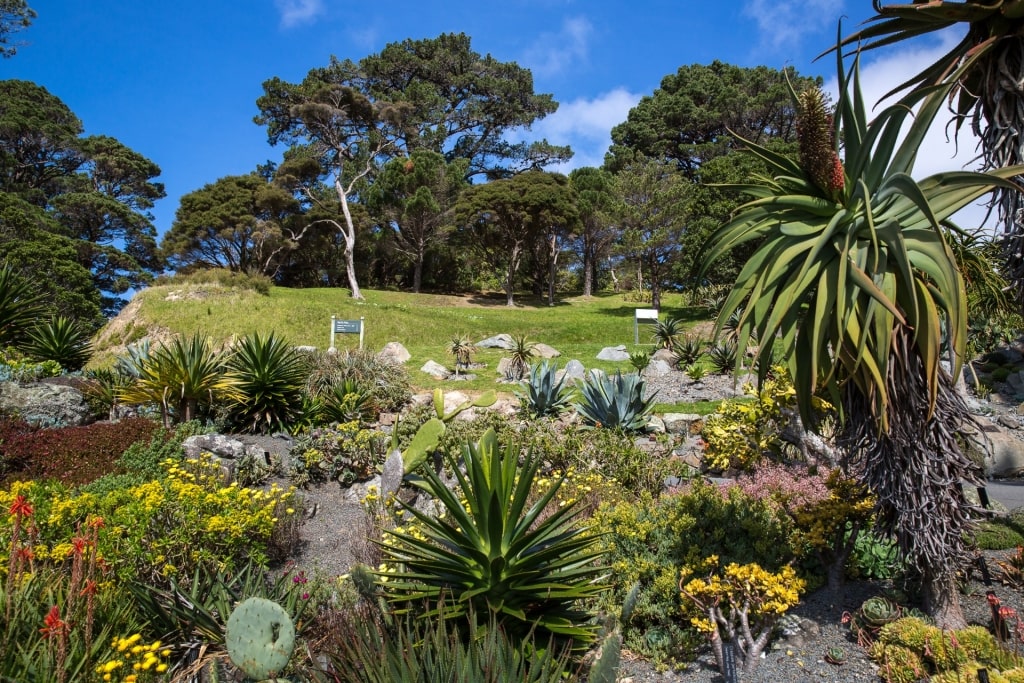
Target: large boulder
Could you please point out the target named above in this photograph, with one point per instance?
(545, 351)
(435, 370)
(395, 353)
(45, 404)
(1003, 454)
(613, 353)
(498, 341)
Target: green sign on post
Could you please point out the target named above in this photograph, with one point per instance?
(347, 327)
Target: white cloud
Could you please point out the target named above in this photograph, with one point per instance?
(296, 12)
(554, 53)
(783, 23)
(885, 69)
(586, 125)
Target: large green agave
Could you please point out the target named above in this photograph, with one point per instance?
(615, 401)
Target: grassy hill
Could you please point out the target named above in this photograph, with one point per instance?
(424, 323)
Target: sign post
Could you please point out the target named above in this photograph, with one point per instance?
(645, 314)
(347, 327)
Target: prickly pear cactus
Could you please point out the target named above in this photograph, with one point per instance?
(260, 638)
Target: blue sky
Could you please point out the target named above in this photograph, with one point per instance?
(177, 81)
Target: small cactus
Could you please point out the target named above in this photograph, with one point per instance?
(260, 638)
(606, 665)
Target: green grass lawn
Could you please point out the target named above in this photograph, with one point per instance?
(424, 323)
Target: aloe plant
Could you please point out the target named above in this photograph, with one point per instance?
(495, 553)
(616, 401)
(268, 374)
(544, 393)
(666, 333)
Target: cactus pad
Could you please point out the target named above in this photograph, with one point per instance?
(260, 638)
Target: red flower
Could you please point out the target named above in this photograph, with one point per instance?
(54, 624)
(20, 507)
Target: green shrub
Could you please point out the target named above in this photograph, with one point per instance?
(999, 534)
(652, 540)
(14, 367)
(221, 277)
(344, 453)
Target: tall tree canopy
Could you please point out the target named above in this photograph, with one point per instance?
(653, 214)
(596, 201)
(237, 222)
(96, 189)
(508, 215)
(415, 197)
(697, 112)
(14, 16)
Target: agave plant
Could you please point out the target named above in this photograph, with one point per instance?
(687, 349)
(853, 275)
(495, 554)
(724, 357)
(544, 392)
(61, 340)
(616, 402)
(268, 375)
(20, 306)
(639, 359)
(181, 377)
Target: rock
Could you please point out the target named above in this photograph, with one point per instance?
(391, 477)
(1008, 422)
(1005, 356)
(665, 355)
(545, 351)
(655, 425)
(305, 349)
(682, 423)
(45, 404)
(1004, 453)
(574, 370)
(223, 450)
(435, 370)
(614, 353)
(657, 368)
(498, 341)
(454, 399)
(395, 353)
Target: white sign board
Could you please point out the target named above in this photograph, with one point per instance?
(645, 314)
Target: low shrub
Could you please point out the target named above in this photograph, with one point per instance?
(653, 540)
(344, 453)
(387, 383)
(222, 277)
(72, 455)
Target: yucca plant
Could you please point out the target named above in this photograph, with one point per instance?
(21, 306)
(495, 554)
(615, 402)
(852, 274)
(666, 333)
(61, 340)
(544, 393)
(181, 377)
(519, 357)
(268, 375)
(462, 350)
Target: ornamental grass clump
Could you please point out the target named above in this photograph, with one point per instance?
(740, 604)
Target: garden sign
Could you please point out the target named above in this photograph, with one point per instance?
(347, 327)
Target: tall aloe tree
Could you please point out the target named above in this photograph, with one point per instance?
(984, 70)
(854, 277)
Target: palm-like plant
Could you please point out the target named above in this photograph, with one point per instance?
(462, 349)
(519, 357)
(181, 377)
(268, 375)
(854, 276)
(20, 306)
(495, 554)
(984, 70)
(62, 340)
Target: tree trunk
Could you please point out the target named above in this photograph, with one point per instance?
(510, 276)
(417, 271)
(588, 272)
(349, 234)
(942, 601)
(552, 269)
